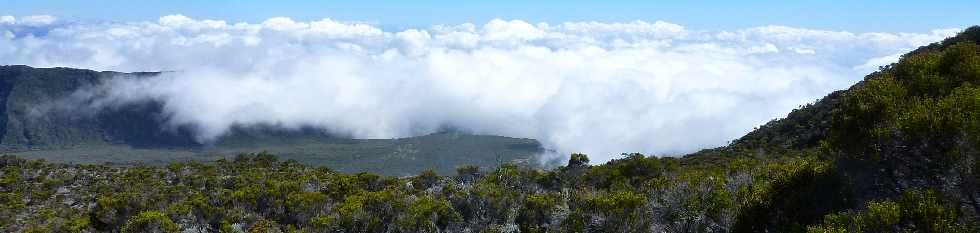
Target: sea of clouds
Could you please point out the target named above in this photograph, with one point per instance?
(601, 88)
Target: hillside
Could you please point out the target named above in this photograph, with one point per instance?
(41, 120)
(441, 152)
(910, 126)
(896, 152)
(34, 116)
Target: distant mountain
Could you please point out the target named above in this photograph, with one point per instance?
(35, 125)
(26, 124)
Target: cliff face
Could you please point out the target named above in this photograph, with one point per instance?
(37, 113)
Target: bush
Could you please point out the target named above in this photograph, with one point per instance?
(536, 212)
(799, 194)
(914, 211)
(428, 215)
(623, 211)
(150, 221)
(468, 171)
(425, 180)
(578, 160)
(632, 171)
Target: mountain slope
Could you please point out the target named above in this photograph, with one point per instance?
(39, 113)
(805, 127)
(913, 125)
(41, 118)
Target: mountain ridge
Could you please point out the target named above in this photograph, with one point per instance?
(41, 117)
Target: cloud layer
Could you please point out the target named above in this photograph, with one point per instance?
(597, 88)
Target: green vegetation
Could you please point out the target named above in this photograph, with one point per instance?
(914, 211)
(797, 195)
(259, 192)
(895, 153)
(442, 152)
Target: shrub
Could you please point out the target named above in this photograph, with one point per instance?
(799, 194)
(150, 221)
(536, 212)
(468, 170)
(427, 214)
(914, 211)
(578, 160)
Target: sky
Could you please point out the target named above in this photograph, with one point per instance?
(837, 15)
(659, 79)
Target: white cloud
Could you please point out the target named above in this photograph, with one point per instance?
(598, 88)
(6, 19)
(767, 48)
(37, 20)
(872, 64)
(804, 51)
(31, 20)
(515, 30)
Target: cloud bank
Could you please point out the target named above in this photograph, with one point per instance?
(591, 87)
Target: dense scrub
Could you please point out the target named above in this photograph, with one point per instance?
(914, 125)
(257, 192)
(918, 211)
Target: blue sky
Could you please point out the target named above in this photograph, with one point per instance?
(854, 16)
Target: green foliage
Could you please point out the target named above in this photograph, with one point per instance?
(38, 229)
(622, 210)
(467, 170)
(631, 171)
(305, 201)
(354, 217)
(76, 225)
(226, 227)
(797, 195)
(321, 222)
(262, 226)
(915, 124)
(577, 160)
(537, 212)
(340, 186)
(927, 100)
(425, 180)
(617, 202)
(150, 221)
(861, 122)
(914, 211)
(264, 159)
(428, 215)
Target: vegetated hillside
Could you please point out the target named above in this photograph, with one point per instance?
(894, 153)
(441, 152)
(42, 118)
(913, 125)
(34, 115)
